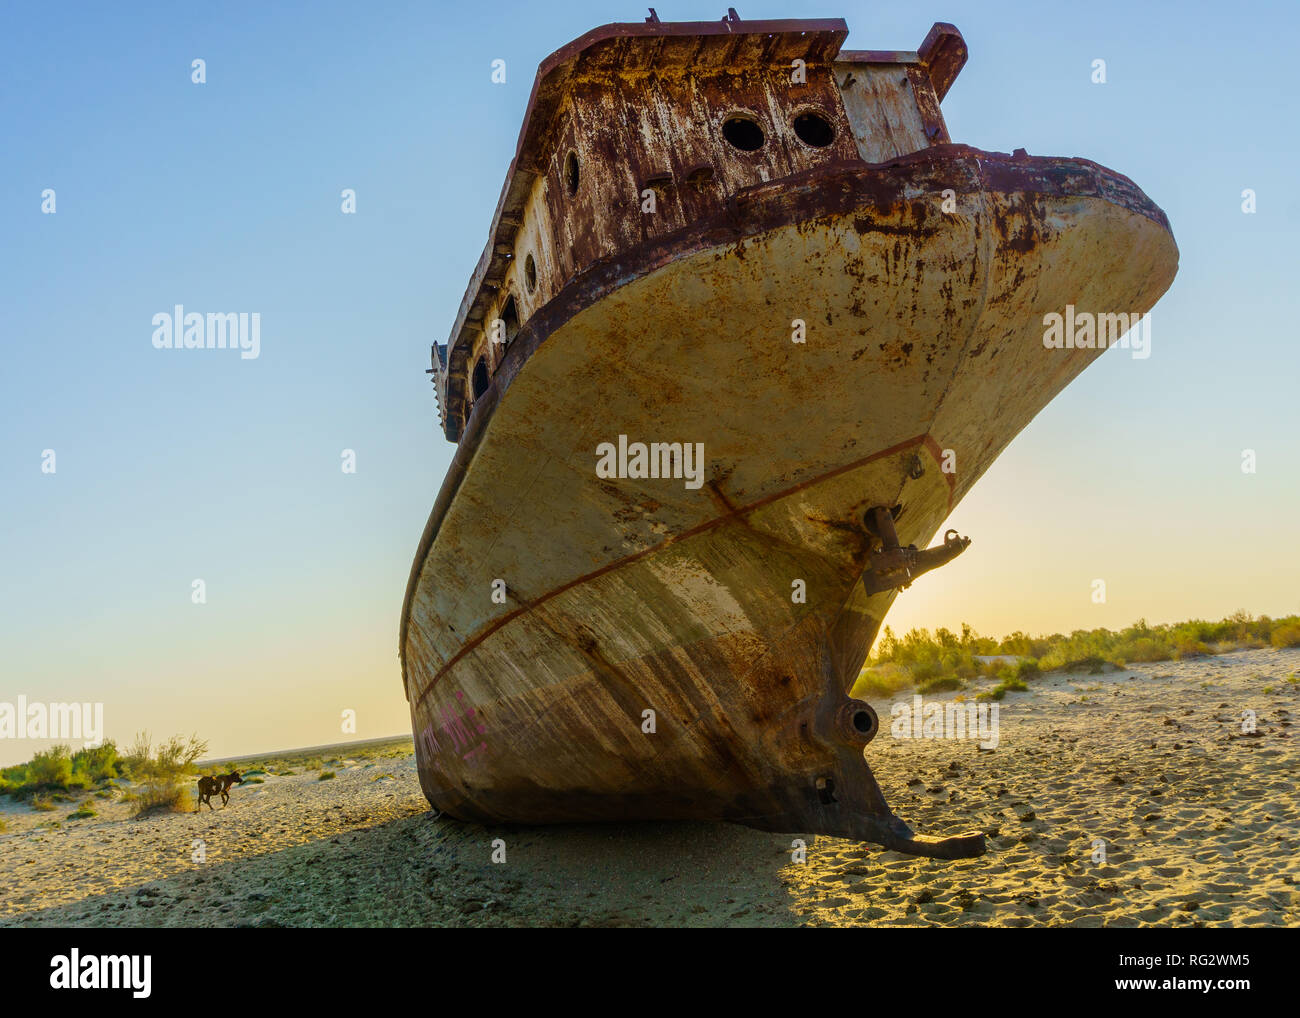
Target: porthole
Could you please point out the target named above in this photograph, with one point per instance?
(510, 316)
(571, 173)
(814, 129)
(530, 273)
(743, 133)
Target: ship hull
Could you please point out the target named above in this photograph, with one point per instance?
(578, 647)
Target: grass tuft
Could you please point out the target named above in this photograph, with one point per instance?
(1007, 685)
(940, 684)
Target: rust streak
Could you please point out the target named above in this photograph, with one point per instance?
(919, 440)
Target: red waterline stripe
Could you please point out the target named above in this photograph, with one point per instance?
(926, 440)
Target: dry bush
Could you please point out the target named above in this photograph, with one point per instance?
(163, 773)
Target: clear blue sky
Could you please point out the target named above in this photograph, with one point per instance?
(225, 196)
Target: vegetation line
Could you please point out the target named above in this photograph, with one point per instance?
(153, 779)
(946, 661)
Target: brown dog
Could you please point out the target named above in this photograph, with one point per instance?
(218, 785)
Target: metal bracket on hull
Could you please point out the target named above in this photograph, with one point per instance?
(893, 566)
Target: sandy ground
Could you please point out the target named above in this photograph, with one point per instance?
(1201, 826)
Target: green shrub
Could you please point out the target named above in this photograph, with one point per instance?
(83, 812)
(51, 768)
(940, 684)
(42, 802)
(923, 671)
(1286, 636)
(97, 763)
(325, 775)
(1145, 649)
(881, 681)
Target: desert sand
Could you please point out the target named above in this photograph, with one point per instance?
(1200, 824)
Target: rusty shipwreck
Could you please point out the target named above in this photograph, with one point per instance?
(738, 238)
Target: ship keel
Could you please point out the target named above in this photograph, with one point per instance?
(843, 799)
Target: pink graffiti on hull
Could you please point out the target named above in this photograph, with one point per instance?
(459, 732)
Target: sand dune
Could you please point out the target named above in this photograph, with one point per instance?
(1201, 826)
